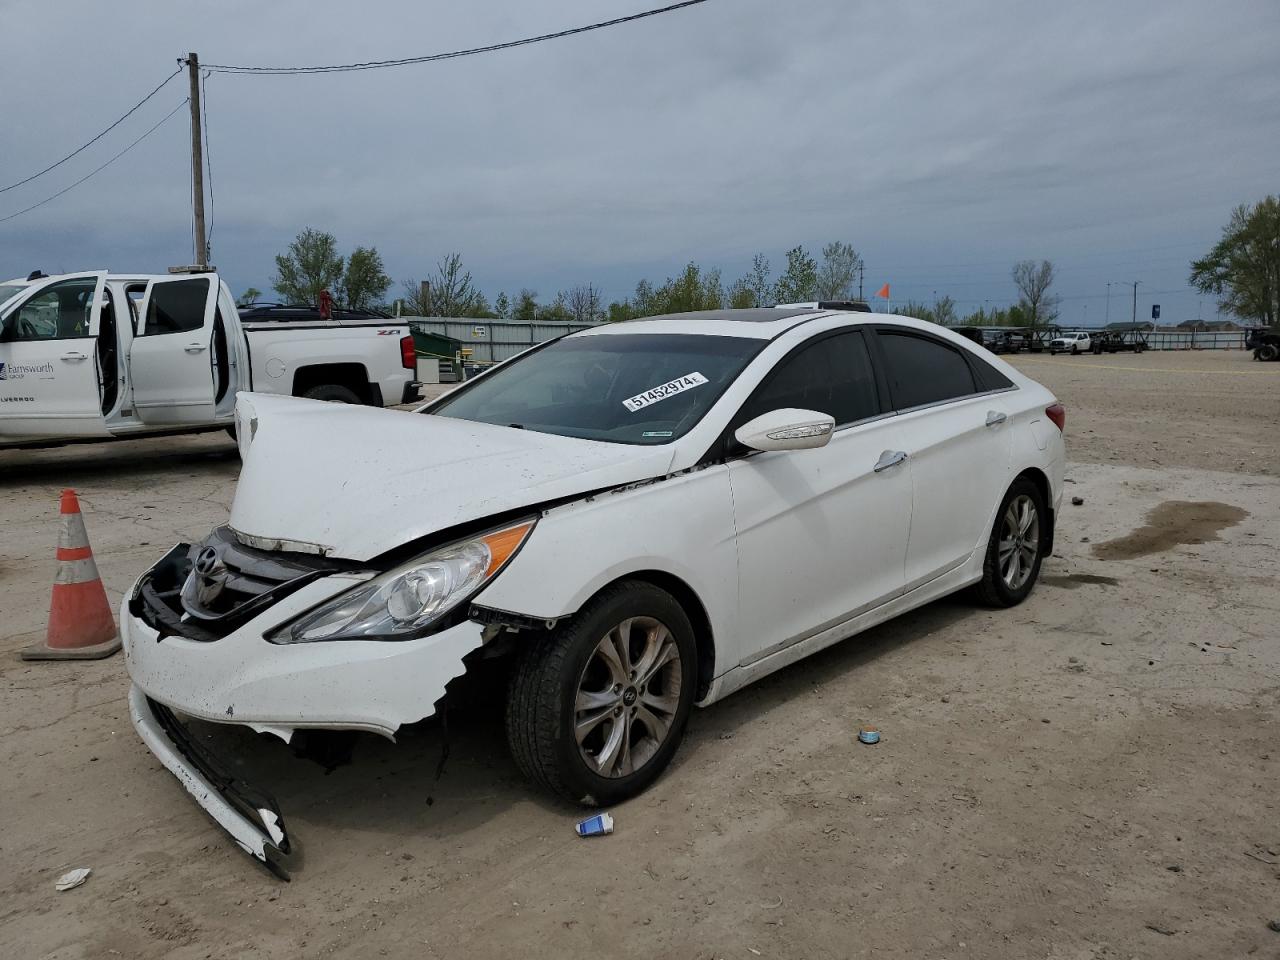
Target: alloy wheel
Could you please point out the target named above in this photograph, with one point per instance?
(1019, 541)
(627, 697)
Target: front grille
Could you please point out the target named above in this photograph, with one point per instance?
(204, 591)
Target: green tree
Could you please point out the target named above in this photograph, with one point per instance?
(1243, 268)
(502, 306)
(557, 311)
(838, 275)
(364, 282)
(621, 310)
(251, 295)
(310, 265)
(799, 281)
(755, 289)
(944, 312)
(526, 305)
(1033, 281)
(449, 293)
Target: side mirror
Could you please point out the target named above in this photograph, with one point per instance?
(787, 429)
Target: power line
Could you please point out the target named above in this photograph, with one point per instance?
(453, 54)
(97, 169)
(95, 139)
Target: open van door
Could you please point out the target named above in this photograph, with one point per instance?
(171, 360)
(49, 382)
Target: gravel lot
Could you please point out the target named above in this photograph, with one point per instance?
(1090, 775)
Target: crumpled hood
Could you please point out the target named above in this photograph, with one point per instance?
(354, 482)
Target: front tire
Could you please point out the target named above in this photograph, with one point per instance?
(1016, 546)
(597, 707)
(1267, 352)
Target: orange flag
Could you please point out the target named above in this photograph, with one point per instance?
(883, 292)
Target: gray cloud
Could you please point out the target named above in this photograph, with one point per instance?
(943, 140)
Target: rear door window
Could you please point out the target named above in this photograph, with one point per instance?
(921, 370)
(176, 307)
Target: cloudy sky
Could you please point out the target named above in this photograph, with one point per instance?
(944, 140)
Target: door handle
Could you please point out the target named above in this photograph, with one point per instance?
(890, 458)
(196, 347)
(74, 357)
(994, 417)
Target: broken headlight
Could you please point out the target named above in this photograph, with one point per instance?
(402, 603)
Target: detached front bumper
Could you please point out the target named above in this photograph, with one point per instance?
(243, 679)
(249, 814)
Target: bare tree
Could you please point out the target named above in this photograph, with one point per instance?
(1033, 281)
(450, 293)
(584, 303)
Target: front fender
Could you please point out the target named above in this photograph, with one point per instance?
(680, 525)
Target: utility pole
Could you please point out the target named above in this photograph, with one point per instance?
(861, 269)
(197, 161)
(1108, 320)
(1135, 300)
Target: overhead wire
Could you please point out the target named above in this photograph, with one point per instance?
(454, 54)
(98, 169)
(127, 114)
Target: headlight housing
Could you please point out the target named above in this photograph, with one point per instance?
(402, 603)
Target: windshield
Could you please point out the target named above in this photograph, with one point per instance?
(10, 290)
(623, 388)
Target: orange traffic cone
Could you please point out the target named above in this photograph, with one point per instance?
(80, 622)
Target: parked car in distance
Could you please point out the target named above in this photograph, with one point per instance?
(1073, 343)
(995, 339)
(98, 356)
(643, 516)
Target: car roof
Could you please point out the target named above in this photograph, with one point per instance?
(760, 323)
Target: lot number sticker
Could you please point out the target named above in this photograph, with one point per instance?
(668, 389)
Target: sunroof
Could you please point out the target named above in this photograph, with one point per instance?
(753, 315)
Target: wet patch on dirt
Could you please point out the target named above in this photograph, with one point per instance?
(1074, 581)
(1172, 523)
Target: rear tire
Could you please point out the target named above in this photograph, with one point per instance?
(333, 393)
(1017, 537)
(1268, 351)
(588, 726)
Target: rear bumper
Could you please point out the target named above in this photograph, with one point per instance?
(412, 392)
(248, 814)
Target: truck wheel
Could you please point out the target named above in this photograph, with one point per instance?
(1075, 349)
(1268, 351)
(333, 393)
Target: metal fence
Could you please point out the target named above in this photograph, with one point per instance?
(491, 341)
(1195, 340)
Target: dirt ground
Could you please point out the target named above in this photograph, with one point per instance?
(1090, 775)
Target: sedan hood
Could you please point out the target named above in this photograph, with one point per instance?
(355, 482)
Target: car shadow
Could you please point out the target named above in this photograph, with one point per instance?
(115, 458)
(452, 774)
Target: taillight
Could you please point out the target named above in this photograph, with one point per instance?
(1058, 414)
(408, 355)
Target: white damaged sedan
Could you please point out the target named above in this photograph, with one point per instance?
(643, 516)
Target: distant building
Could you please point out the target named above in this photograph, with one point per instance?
(1216, 326)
